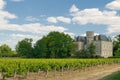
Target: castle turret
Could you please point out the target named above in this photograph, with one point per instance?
(89, 37)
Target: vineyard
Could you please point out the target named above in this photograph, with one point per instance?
(12, 67)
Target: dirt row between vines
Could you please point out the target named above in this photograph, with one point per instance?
(91, 73)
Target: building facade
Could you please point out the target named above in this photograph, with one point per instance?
(103, 44)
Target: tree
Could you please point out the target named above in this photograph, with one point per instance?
(86, 53)
(116, 46)
(54, 45)
(5, 50)
(82, 54)
(91, 50)
(24, 48)
(40, 48)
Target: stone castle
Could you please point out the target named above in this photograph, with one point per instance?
(103, 44)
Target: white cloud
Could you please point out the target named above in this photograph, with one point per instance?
(95, 16)
(19, 37)
(22, 36)
(109, 13)
(17, 0)
(33, 28)
(31, 18)
(63, 19)
(2, 3)
(52, 19)
(70, 33)
(6, 15)
(113, 29)
(59, 19)
(74, 8)
(114, 5)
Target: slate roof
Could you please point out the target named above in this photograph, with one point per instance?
(103, 38)
(100, 37)
(81, 38)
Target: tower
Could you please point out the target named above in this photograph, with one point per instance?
(89, 37)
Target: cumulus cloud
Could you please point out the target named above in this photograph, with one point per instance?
(2, 3)
(52, 19)
(33, 28)
(59, 19)
(5, 15)
(114, 5)
(95, 16)
(31, 19)
(113, 28)
(18, 37)
(74, 8)
(64, 20)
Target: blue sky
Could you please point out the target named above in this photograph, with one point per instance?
(21, 19)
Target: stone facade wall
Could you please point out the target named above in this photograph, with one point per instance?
(106, 49)
(79, 45)
(103, 48)
(97, 47)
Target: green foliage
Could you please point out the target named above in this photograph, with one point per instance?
(54, 45)
(5, 51)
(91, 50)
(116, 46)
(40, 48)
(21, 66)
(86, 53)
(82, 54)
(114, 76)
(24, 48)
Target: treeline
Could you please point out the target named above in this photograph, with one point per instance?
(116, 46)
(54, 45)
(6, 51)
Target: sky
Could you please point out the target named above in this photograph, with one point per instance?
(21, 19)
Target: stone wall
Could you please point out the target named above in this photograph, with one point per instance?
(103, 48)
(106, 49)
(79, 45)
(97, 47)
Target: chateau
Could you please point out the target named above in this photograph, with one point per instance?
(103, 44)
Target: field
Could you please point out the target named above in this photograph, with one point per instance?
(114, 76)
(11, 67)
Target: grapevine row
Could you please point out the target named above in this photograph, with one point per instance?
(20, 66)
